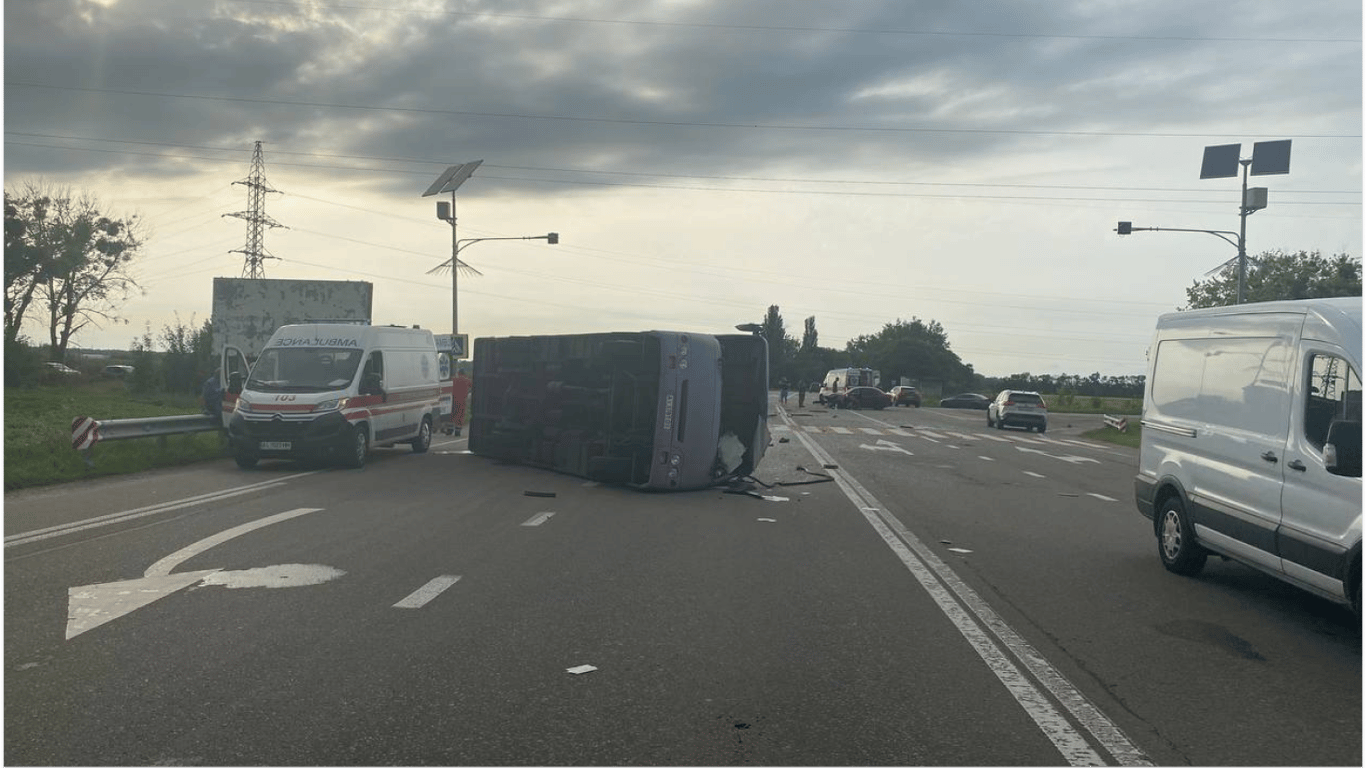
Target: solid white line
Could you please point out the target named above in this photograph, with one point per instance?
(427, 592)
(921, 561)
(132, 514)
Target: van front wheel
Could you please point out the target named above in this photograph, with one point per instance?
(423, 441)
(1176, 543)
(358, 448)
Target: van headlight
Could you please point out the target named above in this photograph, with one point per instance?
(330, 405)
(243, 406)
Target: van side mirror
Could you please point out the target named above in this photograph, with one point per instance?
(1342, 450)
(235, 382)
(372, 384)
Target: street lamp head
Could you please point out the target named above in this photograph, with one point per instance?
(443, 210)
(1125, 227)
(553, 238)
(750, 328)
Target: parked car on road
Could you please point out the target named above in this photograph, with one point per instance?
(906, 396)
(117, 371)
(860, 397)
(61, 369)
(1014, 407)
(966, 400)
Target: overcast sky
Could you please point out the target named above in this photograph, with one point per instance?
(861, 161)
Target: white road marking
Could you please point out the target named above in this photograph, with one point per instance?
(979, 624)
(811, 428)
(886, 445)
(1102, 497)
(870, 430)
(91, 605)
(427, 592)
(962, 436)
(898, 432)
(926, 432)
(1068, 459)
(780, 428)
(841, 431)
(997, 439)
(165, 565)
(537, 519)
(132, 514)
(986, 458)
(1036, 474)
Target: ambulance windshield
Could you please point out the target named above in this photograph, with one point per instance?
(303, 369)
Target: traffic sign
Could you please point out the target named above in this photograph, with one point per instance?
(457, 345)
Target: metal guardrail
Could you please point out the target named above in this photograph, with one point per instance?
(1118, 422)
(85, 431)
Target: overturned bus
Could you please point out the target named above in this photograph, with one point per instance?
(658, 410)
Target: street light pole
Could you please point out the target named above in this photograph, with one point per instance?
(458, 245)
(455, 274)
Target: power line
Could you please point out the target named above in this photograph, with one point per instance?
(703, 188)
(793, 28)
(652, 174)
(661, 123)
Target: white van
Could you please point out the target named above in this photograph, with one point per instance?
(1251, 444)
(331, 391)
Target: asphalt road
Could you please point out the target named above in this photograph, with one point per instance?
(952, 595)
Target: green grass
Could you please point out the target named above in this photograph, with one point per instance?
(1127, 438)
(38, 433)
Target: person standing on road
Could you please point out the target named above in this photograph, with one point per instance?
(783, 387)
(212, 394)
(801, 394)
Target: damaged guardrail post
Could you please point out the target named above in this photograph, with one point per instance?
(1118, 422)
(85, 431)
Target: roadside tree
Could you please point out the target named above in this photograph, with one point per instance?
(68, 257)
(1277, 275)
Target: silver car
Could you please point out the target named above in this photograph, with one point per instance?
(1019, 408)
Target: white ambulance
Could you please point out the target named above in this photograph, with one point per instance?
(331, 391)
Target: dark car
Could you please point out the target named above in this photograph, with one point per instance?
(966, 400)
(906, 396)
(860, 397)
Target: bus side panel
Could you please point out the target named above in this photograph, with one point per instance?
(581, 404)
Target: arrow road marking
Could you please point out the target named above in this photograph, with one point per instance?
(1068, 459)
(91, 605)
(886, 445)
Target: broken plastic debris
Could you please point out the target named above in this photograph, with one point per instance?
(581, 669)
(730, 451)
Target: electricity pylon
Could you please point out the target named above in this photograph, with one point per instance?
(256, 217)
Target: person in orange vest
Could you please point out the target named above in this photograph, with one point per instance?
(459, 395)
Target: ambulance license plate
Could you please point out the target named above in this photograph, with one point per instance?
(275, 446)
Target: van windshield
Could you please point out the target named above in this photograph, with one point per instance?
(303, 369)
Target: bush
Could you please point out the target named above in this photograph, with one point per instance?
(23, 364)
